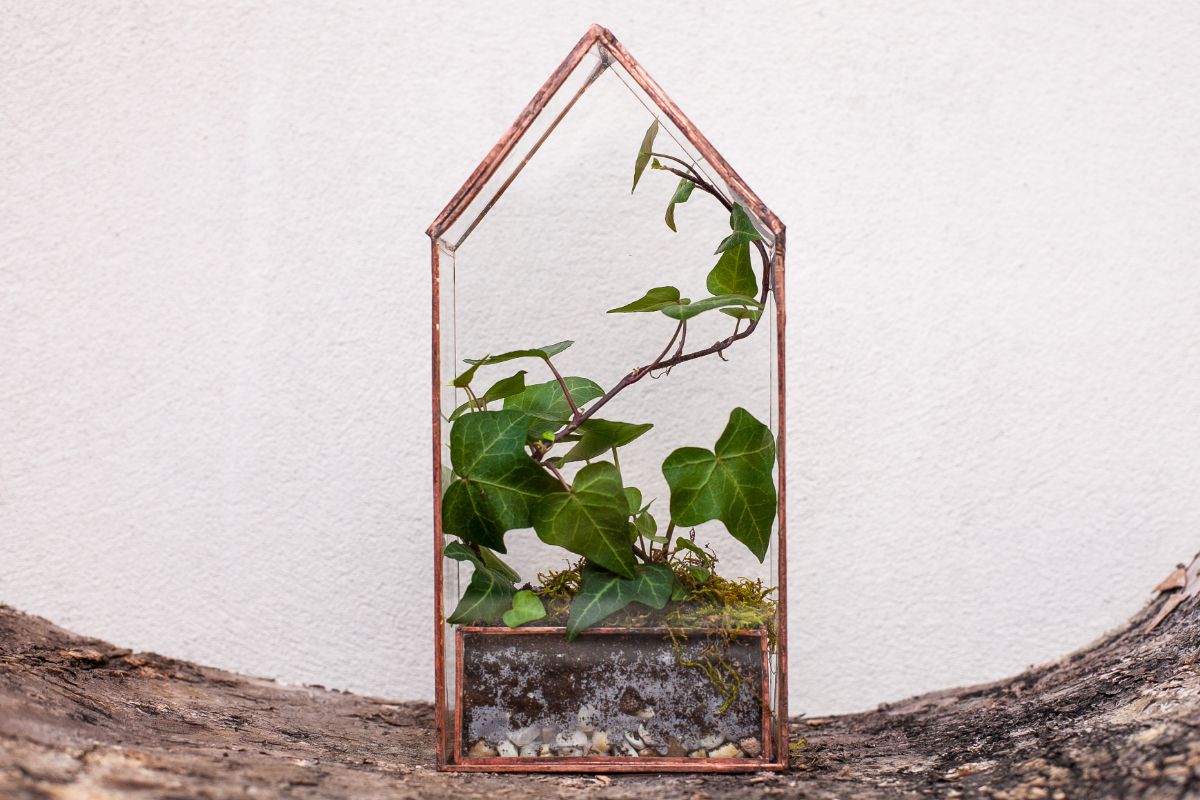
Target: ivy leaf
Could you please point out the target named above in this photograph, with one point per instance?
(591, 520)
(505, 387)
(633, 496)
(733, 483)
(601, 435)
(602, 593)
(487, 596)
(682, 192)
(526, 607)
(688, 310)
(643, 156)
(488, 592)
(645, 525)
(543, 353)
(733, 273)
(743, 229)
(546, 405)
(487, 558)
(688, 544)
(498, 483)
(656, 299)
(743, 313)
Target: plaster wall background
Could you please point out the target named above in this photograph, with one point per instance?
(214, 315)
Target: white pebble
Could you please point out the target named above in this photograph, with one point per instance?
(507, 749)
(697, 754)
(751, 746)
(572, 739)
(645, 736)
(527, 735)
(712, 742)
(481, 749)
(600, 742)
(587, 717)
(634, 741)
(528, 750)
(725, 751)
(628, 750)
(645, 713)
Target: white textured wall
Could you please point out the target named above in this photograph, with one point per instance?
(214, 324)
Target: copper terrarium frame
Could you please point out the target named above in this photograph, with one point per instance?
(461, 215)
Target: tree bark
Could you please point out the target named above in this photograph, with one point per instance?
(81, 718)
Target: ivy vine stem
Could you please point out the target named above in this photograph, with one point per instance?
(680, 357)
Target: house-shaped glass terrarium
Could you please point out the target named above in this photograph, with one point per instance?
(608, 443)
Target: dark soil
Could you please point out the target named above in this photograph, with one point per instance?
(80, 718)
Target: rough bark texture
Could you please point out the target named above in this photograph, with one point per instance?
(80, 718)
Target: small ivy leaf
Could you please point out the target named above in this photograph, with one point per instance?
(602, 593)
(682, 192)
(742, 313)
(688, 544)
(499, 390)
(544, 353)
(656, 299)
(733, 273)
(699, 574)
(486, 598)
(733, 483)
(633, 496)
(547, 406)
(591, 520)
(684, 311)
(498, 483)
(643, 156)
(680, 592)
(742, 227)
(526, 607)
(645, 525)
(460, 552)
(601, 435)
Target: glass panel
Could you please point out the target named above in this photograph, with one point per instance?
(550, 243)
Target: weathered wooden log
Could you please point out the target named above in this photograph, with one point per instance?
(80, 718)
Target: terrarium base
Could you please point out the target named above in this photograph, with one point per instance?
(611, 700)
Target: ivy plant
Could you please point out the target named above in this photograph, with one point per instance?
(513, 444)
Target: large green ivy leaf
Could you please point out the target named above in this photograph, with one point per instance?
(487, 597)
(546, 405)
(733, 483)
(682, 192)
(505, 387)
(591, 520)
(689, 310)
(733, 273)
(643, 156)
(543, 353)
(526, 607)
(488, 594)
(602, 593)
(498, 483)
(656, 299)
(598, 436)
(742, 227)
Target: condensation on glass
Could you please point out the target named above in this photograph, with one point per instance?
(541, 239)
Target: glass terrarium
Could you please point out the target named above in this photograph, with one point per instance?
(608, 443)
